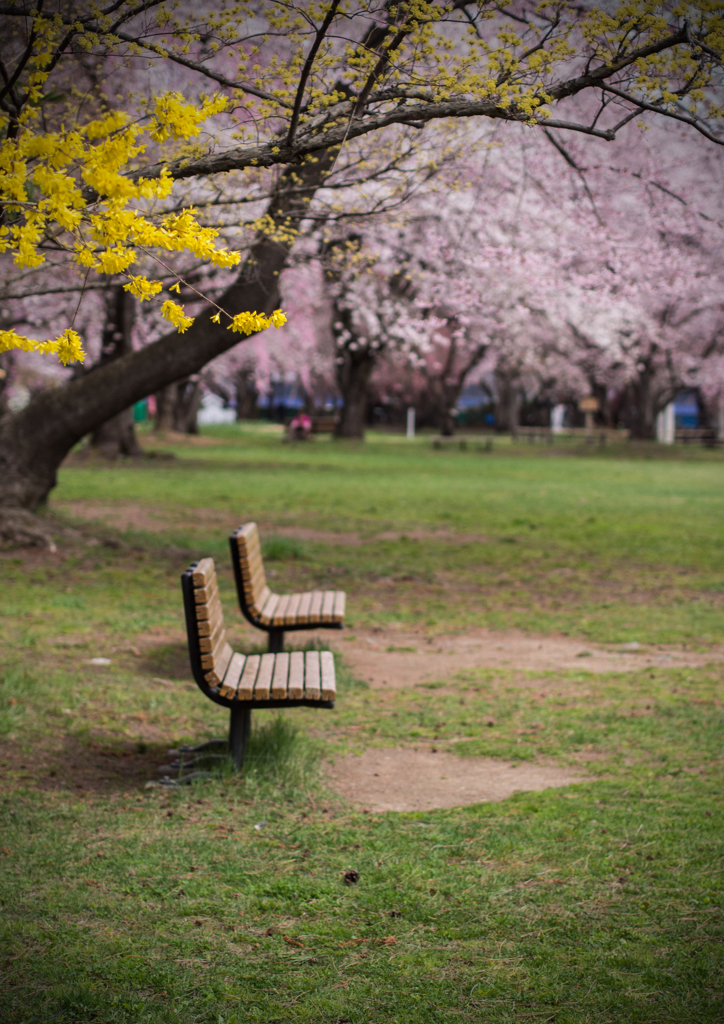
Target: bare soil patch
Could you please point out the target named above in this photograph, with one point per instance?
(125, 515)
(405, 779)
(397, 659)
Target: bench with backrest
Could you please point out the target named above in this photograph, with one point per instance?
(324, 424)
(275, 613)
(242, 683)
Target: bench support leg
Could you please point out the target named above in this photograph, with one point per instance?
(276, 641)
(239, 729)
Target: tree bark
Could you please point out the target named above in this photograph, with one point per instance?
(247, 395)
(353, 378)
(34, 441)
(507, 404)
(187, 405)
(165, 408)
(117, 436)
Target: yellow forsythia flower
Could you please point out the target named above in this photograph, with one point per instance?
(250, 323)
(175, 315)
(67, 347)
(142, 288)
(70, 348)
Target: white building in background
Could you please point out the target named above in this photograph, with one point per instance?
(212, 410)
(666, 425)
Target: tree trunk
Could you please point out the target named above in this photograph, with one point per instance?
(507, 404)
(247, 395)
(117, 436)
(644, 407)
(353, 378)
(34, 441)
(188, 403)
(165, 408)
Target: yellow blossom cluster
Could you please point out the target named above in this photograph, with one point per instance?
(68, 347)
(72, 189)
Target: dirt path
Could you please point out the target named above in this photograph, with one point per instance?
(404, 779)
(399, 658)
(128, 515)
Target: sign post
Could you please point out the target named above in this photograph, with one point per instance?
(589, 405)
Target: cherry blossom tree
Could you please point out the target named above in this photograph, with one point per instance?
(297, 101)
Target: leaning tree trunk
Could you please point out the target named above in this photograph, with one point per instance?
(354, 370)
(34, 441)
(117, 436)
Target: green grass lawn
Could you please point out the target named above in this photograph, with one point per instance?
(226, 901)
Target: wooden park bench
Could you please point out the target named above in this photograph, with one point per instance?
(324, 424)
(275, 613)
(242, 683)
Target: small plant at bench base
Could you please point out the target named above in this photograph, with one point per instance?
(243, 683)
(315, 609)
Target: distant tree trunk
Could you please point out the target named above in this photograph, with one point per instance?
(187, 404)
(117, 436)
(353, 377)
(165, 409)
(648, 395)
(508, 401)
(247, 394)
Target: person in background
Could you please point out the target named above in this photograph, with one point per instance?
(300, 428)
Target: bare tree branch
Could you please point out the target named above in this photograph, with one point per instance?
(306, 70)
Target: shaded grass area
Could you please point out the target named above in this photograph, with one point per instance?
(226, 901)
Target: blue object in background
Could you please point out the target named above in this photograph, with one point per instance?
(140, 411)
(686, 410)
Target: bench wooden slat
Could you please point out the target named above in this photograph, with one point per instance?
(303, 610)
(268, 610)
(216, 675)
(262, 685)
(209, 660)
(203, 572)
(258, 605)
(207, 615)
(247, 538)
(208, 611)
(281, 610)
(255, 582)
(208, 643)
(246, 531)
(250, 563)
(296, 675)
(339, 606)
(204, 595)
(280, 677)
(329, 683)
(315, 606)
(328, 606)
(290, 616)
(246, 683)
(312, 676)
(230, 685)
